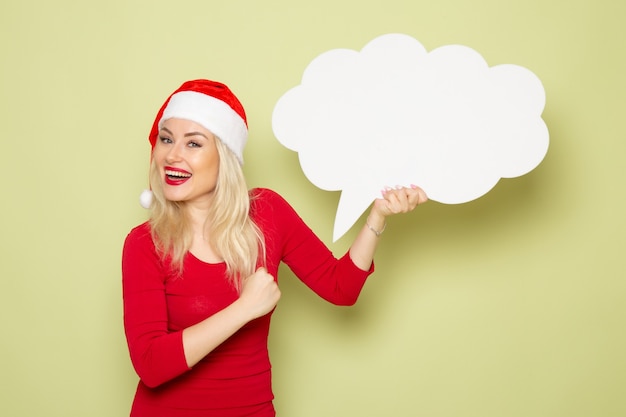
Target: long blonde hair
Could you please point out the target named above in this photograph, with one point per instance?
(230, 231)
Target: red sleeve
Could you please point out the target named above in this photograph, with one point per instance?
(156, 353)
(338, 281)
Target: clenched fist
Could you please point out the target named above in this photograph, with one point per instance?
(259, 293)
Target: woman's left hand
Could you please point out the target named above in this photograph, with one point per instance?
(398, 200)
(393, 201)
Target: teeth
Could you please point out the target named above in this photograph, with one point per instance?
(177, 174)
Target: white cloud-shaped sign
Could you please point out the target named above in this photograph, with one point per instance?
(395, 114)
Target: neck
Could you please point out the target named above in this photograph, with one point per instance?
(198, 214)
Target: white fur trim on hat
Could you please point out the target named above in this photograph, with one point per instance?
(212, 114)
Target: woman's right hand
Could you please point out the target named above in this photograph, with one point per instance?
(259, 293)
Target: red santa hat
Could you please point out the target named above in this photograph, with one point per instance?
(213, 106)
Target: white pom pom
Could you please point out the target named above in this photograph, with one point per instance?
(145, 199)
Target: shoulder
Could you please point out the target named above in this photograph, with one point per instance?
(263, 193)
(268, 206)
(139, 235)
(265, 198)
(139, 248)
(140, 231)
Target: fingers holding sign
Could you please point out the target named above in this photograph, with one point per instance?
(399, 200)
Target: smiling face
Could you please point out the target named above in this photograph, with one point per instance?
(187, 161)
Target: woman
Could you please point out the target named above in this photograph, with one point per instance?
(199, 278)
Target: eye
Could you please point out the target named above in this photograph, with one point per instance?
(194, 144)
(165, 139)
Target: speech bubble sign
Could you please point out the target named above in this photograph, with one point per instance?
(395, 114)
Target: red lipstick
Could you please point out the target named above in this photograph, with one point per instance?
(176, 176)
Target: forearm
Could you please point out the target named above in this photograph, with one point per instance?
(364, 246)
(393, 201)
(202, 338)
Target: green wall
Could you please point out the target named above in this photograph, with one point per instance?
(508, 306)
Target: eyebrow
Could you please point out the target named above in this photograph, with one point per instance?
(188, 134)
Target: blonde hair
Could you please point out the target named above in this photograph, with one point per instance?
(230, 231)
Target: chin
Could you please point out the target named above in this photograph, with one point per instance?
(173, 198)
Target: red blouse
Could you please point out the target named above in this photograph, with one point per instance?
(158, 306)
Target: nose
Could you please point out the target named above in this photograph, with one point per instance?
(174, 154)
